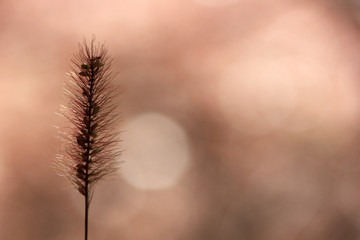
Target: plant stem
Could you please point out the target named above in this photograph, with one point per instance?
(88, 152)
(86, 179)
(86, 215)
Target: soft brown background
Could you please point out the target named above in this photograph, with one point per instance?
(242, 119)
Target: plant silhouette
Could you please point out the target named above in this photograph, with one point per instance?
(91, 143)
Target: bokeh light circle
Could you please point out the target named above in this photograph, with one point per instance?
(156, 152)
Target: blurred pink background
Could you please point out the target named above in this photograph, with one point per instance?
(241, 119)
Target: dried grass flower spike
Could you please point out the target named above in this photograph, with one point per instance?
(91, 142)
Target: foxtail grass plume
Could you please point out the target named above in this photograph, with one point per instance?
(91, 143)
